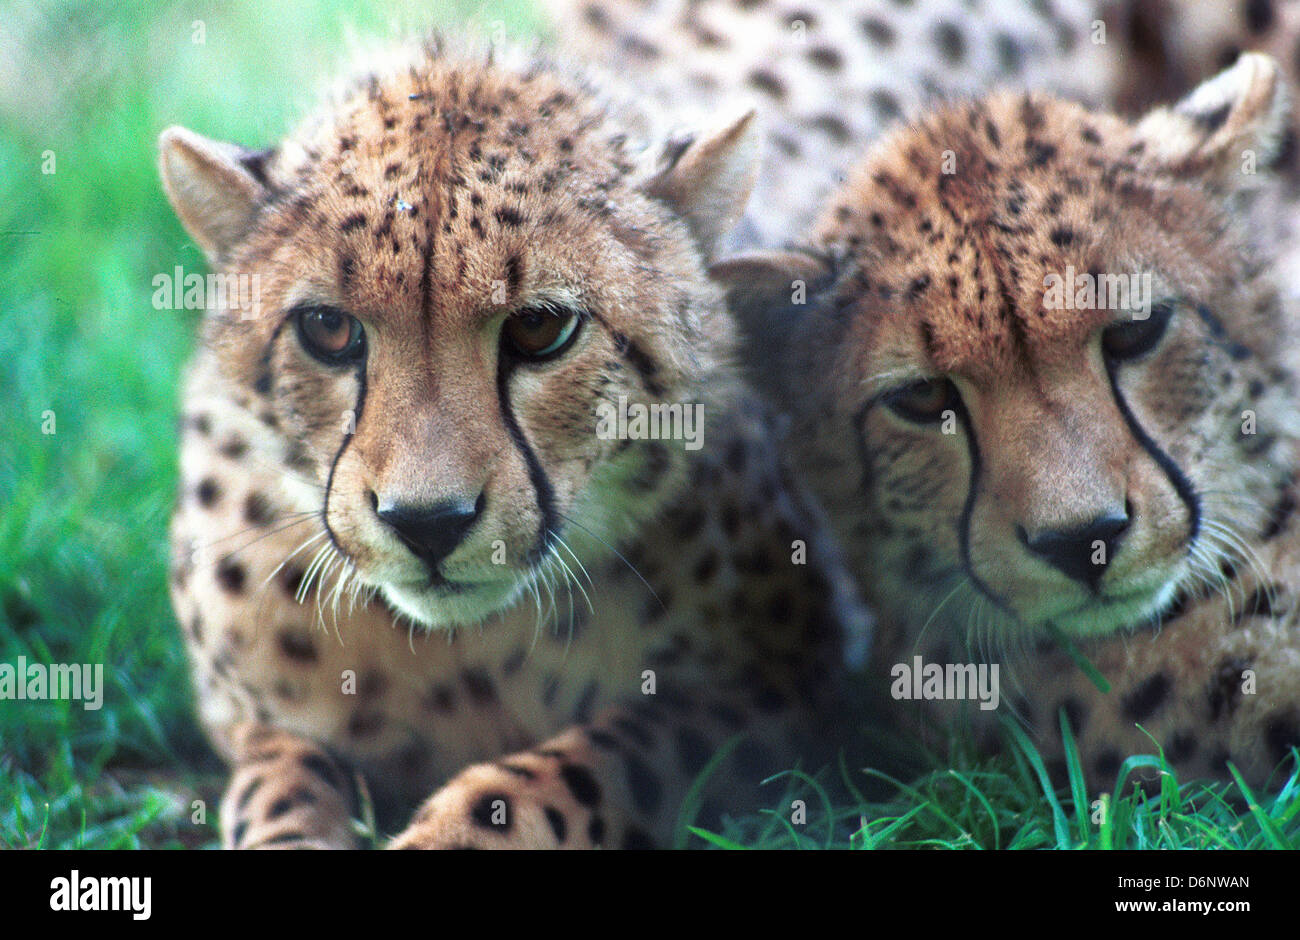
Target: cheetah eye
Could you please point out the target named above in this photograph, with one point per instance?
(332, 336)
(1133, 338)
(924, 401)
(540, 333)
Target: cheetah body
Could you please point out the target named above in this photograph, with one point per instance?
(620, 607)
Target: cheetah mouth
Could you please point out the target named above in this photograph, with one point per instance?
(436, 583)
(437, 602)
(1106, 614)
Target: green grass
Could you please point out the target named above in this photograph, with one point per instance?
(1008, 803)
(83, 510)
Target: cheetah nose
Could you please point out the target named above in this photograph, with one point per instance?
(1083, 553)
(431, 532)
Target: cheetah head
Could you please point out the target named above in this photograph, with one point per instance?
(458, 262)
(1039, 375)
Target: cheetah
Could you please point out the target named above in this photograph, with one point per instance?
(411, 569)
(1048, 478)
(827, 78)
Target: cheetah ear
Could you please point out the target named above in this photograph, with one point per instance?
(708, 179)
(214, 187)
(768, 291)
(1226, 127)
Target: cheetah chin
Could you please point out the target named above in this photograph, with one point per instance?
(1130, 610)
(446, 604)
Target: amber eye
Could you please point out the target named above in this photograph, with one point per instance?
(539, 333)
(329, 334)
(924, 401)
(1133, 338)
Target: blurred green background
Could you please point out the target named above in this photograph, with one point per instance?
(85, 88)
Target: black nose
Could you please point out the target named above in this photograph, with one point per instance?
(1083, 553)
(431, 532)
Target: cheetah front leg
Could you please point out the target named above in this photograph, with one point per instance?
(618, 782)
(285, 793)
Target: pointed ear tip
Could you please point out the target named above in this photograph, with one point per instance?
(1255, 74)
(173, 137)
(1261, 65)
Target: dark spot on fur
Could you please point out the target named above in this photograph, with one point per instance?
(1010, 57)
(1282, 733)
(479, 686)
(511, 218)
(257, 510)
(292, 580)
(322, 767)
(364, 724)
(486, 807)
(300, 796)
(231, 575)
(241, 802)
(1146, 697)
(693, 750)
(556, 820)
(826, 57)
(1107, 763)
(768, 83)
(581, 784)
(878, 31)
(1062, 237)
(1260, 603)
(951, 43)
(1224, 692)
(208, 492)
(1039, 154)
(644, 784)
(1281, 515)
(296, 646)
(1181, 747)
(441, 698)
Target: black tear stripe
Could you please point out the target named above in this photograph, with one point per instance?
(347, 439)
(963, 523)
(972, 491)
(864, 457)
(536, 474)
(1182, 486)
(262, 384)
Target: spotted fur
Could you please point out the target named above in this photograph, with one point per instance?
(560, 671)
(976, 445)
(827, 78)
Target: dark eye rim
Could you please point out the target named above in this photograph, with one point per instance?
(524, 357)
(1145, 335)
(895, 401)
(350, 354)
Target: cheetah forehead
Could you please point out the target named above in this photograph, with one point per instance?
(427, 98)
(960, 222)
(456, 160)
